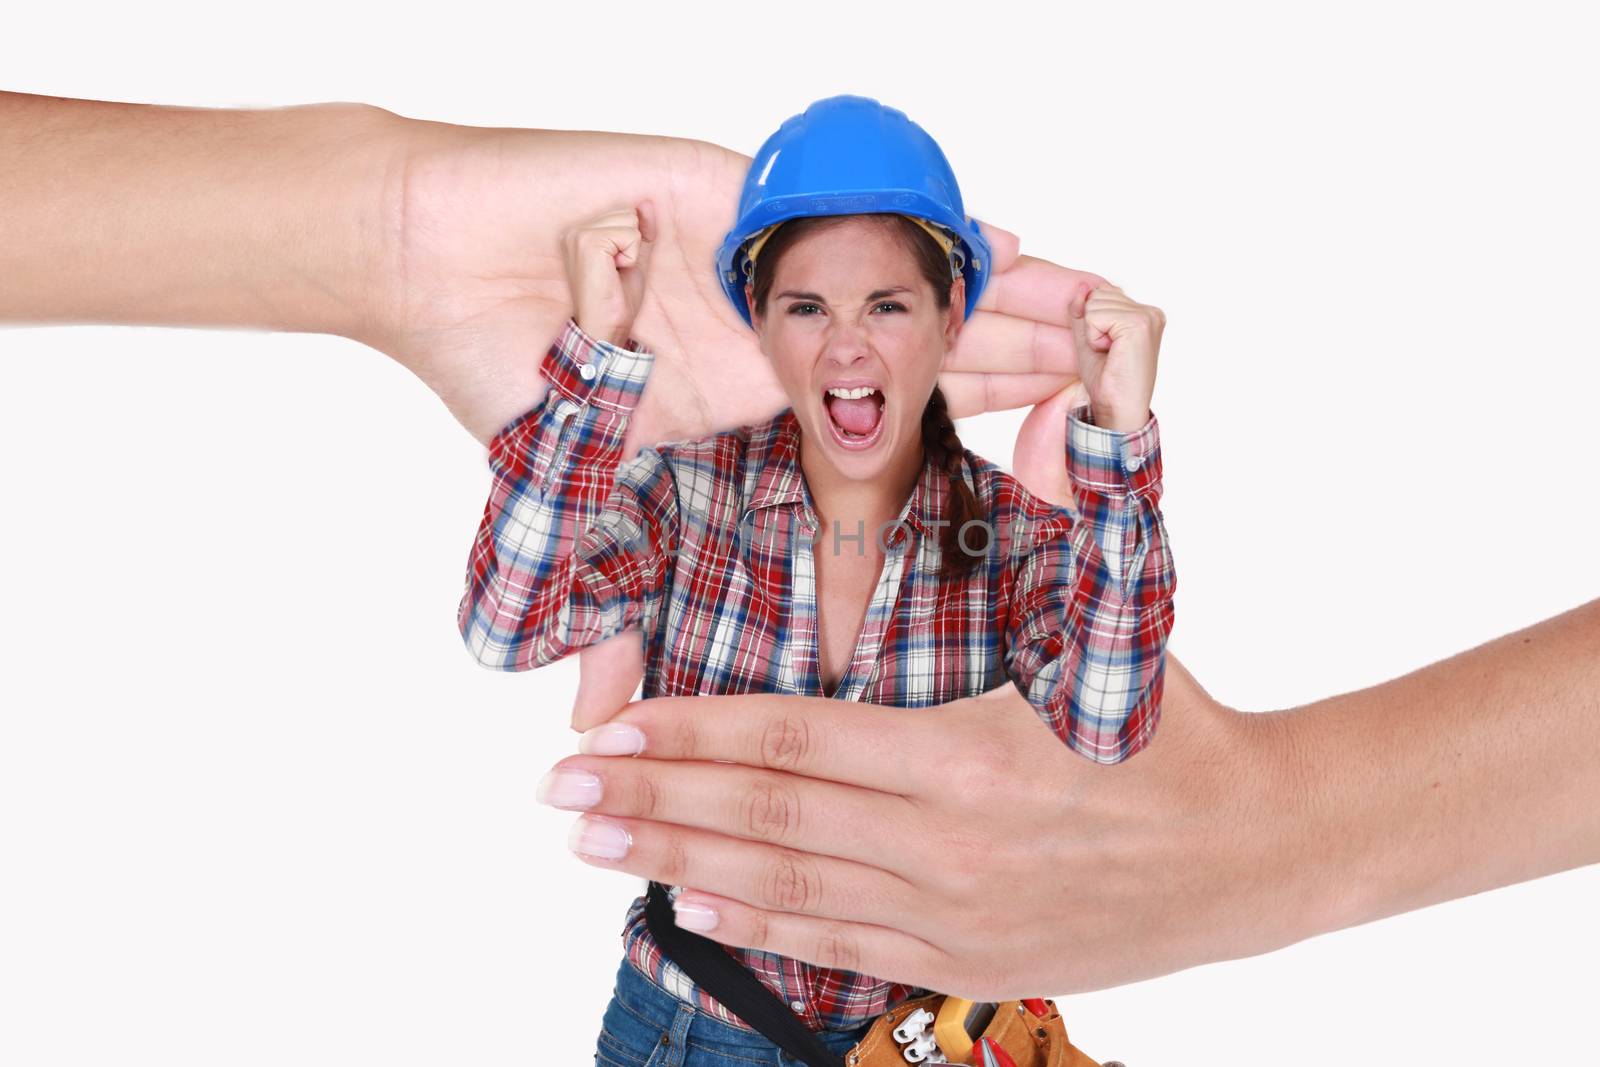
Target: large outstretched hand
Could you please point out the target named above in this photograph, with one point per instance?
(473, 287)
(960, 847)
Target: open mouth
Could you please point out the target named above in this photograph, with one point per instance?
(855, 415)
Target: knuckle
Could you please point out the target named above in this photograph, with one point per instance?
(771, 811)
(787, 885)
(837, 949)
(685, 737)
(786, 743)
(646, 796)
(968, 867)
(760, 932)
(984, 762)
(674, 861)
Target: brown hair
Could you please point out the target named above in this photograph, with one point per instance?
(939, 440)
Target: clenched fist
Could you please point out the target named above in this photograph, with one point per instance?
(1117, 340)
(606, 262)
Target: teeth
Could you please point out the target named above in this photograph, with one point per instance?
(852, 394)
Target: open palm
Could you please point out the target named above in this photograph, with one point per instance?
(472, 286)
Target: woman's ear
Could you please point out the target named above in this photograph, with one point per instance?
(750, 302)
(958, 311)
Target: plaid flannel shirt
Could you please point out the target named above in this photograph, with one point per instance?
(708, 548)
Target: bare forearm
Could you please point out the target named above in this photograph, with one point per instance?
(150, 214)
(1475, 772)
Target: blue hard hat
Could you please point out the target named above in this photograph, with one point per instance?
(850, 155)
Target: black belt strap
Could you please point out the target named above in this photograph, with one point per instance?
(712, 968)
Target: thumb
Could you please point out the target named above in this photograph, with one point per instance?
(647, 220)
(639, 256)
(1082, 331)
(1096, 331)
(633, 264)
(608, 675)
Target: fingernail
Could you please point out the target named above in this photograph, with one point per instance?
(604, 840)
(612, 739)
(566, 788)
(693, 916)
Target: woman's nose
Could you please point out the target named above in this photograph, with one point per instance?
(846, 341)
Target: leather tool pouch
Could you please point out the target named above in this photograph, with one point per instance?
(1030, 1040)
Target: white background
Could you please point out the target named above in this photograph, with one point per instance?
(257, 805)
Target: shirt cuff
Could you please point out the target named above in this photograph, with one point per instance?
(587, 370)
(1112, 461)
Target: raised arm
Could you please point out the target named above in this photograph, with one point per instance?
(1092, 606)
(575, 545)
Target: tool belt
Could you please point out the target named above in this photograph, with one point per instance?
(1017, 1033)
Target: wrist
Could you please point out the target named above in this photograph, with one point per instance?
(1266, 888)
(1289, 793)
(1118, 420)
(614, 337)
(1312, 844)
(404, 147)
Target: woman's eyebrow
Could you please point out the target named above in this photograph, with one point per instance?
(876, 294)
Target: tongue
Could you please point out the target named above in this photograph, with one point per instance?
(857, 416)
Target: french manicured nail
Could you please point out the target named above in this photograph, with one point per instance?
(693, 916)
(612, 739)
(597, 837)
(566, 788)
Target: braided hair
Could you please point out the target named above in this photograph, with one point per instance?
(940, 443)
(944, 448)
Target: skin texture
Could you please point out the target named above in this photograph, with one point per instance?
(1231, 834)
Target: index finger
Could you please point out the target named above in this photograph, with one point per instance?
(870, 745)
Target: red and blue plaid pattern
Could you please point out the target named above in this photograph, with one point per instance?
(708, 547)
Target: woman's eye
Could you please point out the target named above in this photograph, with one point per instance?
(797, 309)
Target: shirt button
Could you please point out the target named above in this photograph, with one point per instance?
(586, 372)
(1135, 462)
(797, 1006)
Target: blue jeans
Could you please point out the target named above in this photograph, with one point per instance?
(646, 1026)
